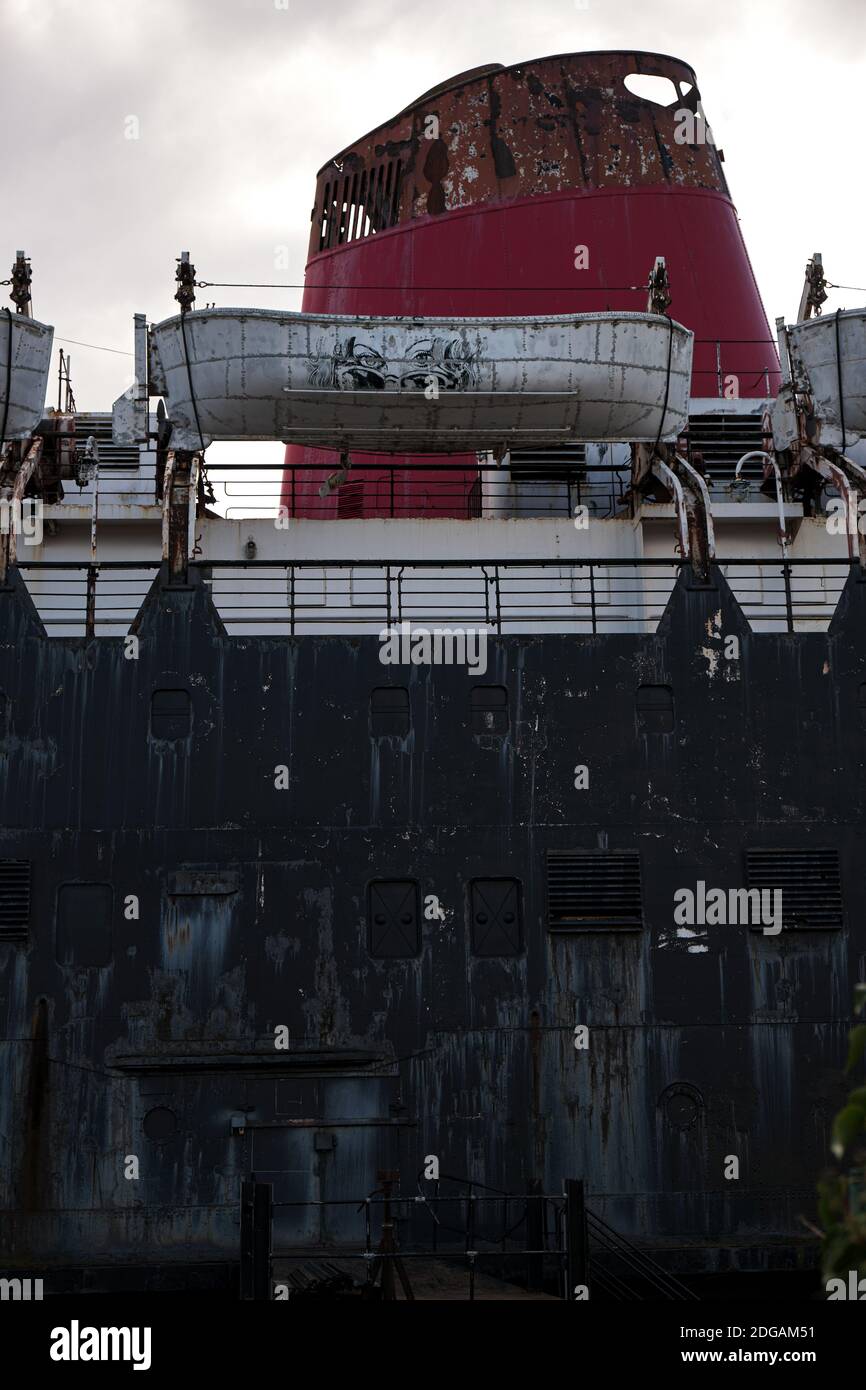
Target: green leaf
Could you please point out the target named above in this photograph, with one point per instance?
(856, 1045)
(846, 1126)
(840, 1255)
(858, 1097)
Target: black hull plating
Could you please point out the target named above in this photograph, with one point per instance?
(253, 913)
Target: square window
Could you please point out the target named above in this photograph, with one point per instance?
(489, 704)
(389, 712)
(495, 917)
(655, 709)
(84, 925)
(171, 714)
(393, 919)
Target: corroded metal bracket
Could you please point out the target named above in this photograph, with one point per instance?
(21, 280)
(13, 485)
(699, 515)
(658, 288)
(691, 498)
(850, 479)
(669, 479)
(179, 494)
(185, 277)
(814, 288)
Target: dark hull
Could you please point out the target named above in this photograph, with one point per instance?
(255, 911)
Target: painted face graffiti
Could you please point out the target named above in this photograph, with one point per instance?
(356, 366)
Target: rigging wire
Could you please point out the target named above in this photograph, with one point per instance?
(571, 289)
(304, 285)
(837, 316)
(96, 346)
(8, 377)
(537, 289)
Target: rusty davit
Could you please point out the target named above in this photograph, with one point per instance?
(442, 851)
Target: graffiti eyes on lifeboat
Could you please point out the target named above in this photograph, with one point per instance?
(366, 356)
(355, 377)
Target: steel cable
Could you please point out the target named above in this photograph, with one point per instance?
(8, 378)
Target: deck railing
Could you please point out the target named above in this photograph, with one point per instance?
(541, 1241)
(503, 596)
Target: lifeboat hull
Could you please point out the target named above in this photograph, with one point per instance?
(814, 348)
(25, 359)
(422, 385)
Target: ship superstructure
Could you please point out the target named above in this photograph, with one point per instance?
(292, 895)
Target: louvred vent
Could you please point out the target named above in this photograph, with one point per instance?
(593, 891)
(564, 463)
(810, 883)
(14, 898)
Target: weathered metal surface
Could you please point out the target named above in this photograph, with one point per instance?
(25, 358)
(438, 385)
(13, 485)
(130, 418)
(178, 512)
(530, 130)
(831, 354)
(252, 913)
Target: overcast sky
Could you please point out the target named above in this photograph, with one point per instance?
(239, 102)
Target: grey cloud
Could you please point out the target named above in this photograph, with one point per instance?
(240, 103)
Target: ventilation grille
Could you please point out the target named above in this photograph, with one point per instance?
(721, 440)
(565, 464)
(350, 501)
(124, 457)
(360, 202)
(593, 891)
(14, 898)
(810, 883)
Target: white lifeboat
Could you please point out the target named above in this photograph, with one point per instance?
(832, 354)
(25, 358)
(420, 385)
